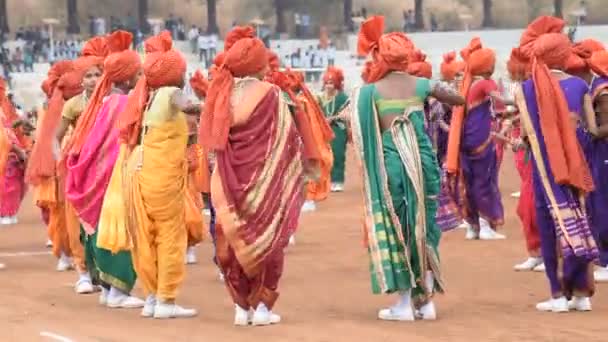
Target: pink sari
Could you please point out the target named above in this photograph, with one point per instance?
(12, 182)
(89, 172)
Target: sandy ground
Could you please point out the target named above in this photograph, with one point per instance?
(325, 290)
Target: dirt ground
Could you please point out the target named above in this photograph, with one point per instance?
(325, 290)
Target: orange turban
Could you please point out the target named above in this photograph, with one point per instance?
(565, 155)
(199, 84)
(419, 67)
(478, 61)
(93, 54)
(334, 75)
(450, 66)
(518, 64)
(120, 66)
(599, 63)
(243, 56)
(65, 83)
(53, 75)
(162, 67)
(541, 25)
(389, 52)
(581, 52)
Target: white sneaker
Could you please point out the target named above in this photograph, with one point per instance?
(221, 277)
(49, 243)
(487, 233)
(124, 302)
(103, 297)
(553, 305)
(263, 316)
(241, 316)
(309, 206)
(149, 306)
(292, 240)
(601, 275)
(516, 194)
(428, 312)
(337, 187)
(191, 256)
(164, 311)
(539, 268)
(471, 234)
(14, 220)
(464, 225)
(529, 264)
(580, 304)
(64, 263)
(206, 212)
(5, 221)
(84, 285)
(397, 314)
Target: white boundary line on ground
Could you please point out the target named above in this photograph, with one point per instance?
(23, 254)
(55, 337)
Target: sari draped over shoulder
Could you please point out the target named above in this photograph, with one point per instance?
(257, 191)
(401, 182)
(89, 171)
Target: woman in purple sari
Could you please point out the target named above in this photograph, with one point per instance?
(548, 104)
(597, 203)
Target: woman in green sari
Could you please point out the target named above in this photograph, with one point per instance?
(334, 101)
(400, 173)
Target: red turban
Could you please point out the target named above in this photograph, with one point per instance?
(243, 56)
(450, 66)
(334, 75)
(565, 155)
(518, 65)
(419, 67)
(199, 84)
(478, 61)
(160, 42)
(389, 52)
(120, 66)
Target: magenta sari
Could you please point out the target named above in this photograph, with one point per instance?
(12, 183)
(89, 172)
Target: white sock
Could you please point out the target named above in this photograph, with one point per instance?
(85, 276)
(262, 308)
(405, 300)
(429, 281)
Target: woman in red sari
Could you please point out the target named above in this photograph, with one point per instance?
(248, 124)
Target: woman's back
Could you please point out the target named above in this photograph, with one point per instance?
(398, 92)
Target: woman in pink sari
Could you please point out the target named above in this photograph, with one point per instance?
(12, 183)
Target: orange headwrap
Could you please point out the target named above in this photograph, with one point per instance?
(581, 52)
(199, 84)
(478, 61)
(450, 66)
(93, 54)
(599, 63)
(54, 73)
(245, 56)
(541, 25)
(120, 66)
(42, 163)
(389, 52)
(419, 67)
(519, 66)
(334, 75)
(163, 67)
(565, 155)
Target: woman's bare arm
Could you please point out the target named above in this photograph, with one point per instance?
(589, 115)
(64, 125)
(446, 94)
(180, 100)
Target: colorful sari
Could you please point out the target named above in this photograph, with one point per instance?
(89, 172)
(401, 184)
(257, 191)
(334, 108)
(87, 183)
(12, 181)
(597, 203)
(567, 243)
(476, 189)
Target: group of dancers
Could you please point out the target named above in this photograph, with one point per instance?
(123, 163)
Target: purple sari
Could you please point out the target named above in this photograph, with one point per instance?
(567, 244)
(597, 202)
(479, 169)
